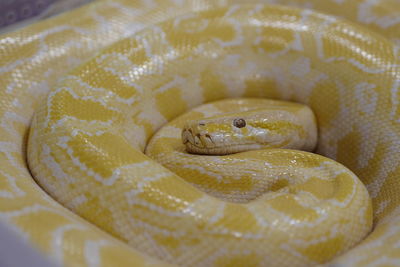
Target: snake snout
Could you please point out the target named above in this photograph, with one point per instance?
(196, 136)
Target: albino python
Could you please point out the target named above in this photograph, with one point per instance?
(293, 203)
(96, 110)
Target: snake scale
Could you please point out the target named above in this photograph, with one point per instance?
(96, 107)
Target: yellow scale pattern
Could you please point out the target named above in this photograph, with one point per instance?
(296, 208)
(348, 74)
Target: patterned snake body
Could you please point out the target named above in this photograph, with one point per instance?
(291, 200)
(87, 140)
(251, 124)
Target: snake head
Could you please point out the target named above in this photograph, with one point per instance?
(249, 130)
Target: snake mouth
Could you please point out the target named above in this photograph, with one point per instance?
(220, 150)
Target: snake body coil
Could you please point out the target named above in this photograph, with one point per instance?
(293, 203)
(88, 137)
(99, 136)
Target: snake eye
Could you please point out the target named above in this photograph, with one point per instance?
(239, 123)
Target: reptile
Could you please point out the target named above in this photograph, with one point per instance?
(90, 130)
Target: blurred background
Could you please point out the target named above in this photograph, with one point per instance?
(15, 14)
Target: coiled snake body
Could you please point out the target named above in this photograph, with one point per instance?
(294, 202)
(88, 137)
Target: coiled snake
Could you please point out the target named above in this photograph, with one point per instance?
(87, 139)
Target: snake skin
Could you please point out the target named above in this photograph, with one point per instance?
(348, 74)
(283, 193)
